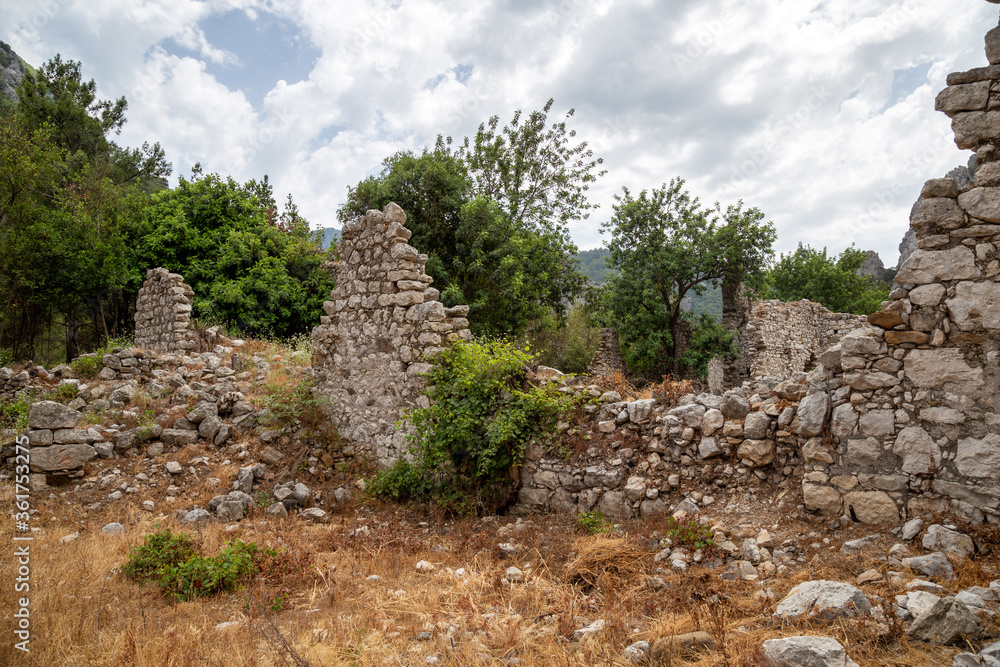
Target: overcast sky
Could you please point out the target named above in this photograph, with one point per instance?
(821, 113)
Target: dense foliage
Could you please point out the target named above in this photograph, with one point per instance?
(252, 269)
(82, 220)
(483, 410)
(665, 245)
(171, 560)
(493, 217)
(834, 282)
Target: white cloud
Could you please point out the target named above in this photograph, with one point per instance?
(788, 105)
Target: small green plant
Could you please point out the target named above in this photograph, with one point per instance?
(89, 365)
(14, 414)
(483, 409)
(690, 534)
(64, 393)
(594, 522)
(291, 399)
(172, 561)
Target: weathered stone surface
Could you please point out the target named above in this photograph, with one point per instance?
(920, 454)
(814, 451)
(947, 622)
(939, 187)
(937, 212)
(864, 452)
(735, 406)
(757, 452)
(812, 413)
(821, 498)
(178, 437)
(927, 295)
(963, 97)
(900, 337)
(201, 411)
(163, 312)
(638, 411)
(52, 415)
(981, 203)
(941, 415)
(930, 266)
(843, 421)
(872, 507)
(975, 306)
(868, 380)
(877, 422)
(711, 422)
(979, 457)
(827, 600)
(973, 128)
(886, 319)
(60, 457)
(708, 447)
(804, 651)
(756, 425)
(934, 565)
(935, 368)
(947, 541)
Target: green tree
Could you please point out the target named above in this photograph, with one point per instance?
(258, 271)
(664, 245)
(493, 217)
(834, 282)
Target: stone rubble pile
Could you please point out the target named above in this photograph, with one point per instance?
(383, 324)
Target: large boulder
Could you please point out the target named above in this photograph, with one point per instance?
(948, 541)
(872, 507)
(827, 600)
(979, 457)
(61, 457)
(975, 306)
(933, 368)
(804, 651)
(932, 266)
(755, 426)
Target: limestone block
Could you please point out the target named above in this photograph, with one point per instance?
(981, 203)
(52, 415)
(973, 128)
(975, 305)
(756, 425)
(758, 452)
(935, 368)
(877, 422)
(61, 457)
(863, 452)
(843, 421)
(872, 507)
(812, 413)
(920, 454)
(940, 187)
(979, 457)
(929, 266)
(937, 212)
(927, 295)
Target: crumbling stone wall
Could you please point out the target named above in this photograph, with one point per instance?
(383, 323)
(783, 337)
(163, 313)
(608, 357)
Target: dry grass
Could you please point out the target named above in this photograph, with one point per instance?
(84, 613)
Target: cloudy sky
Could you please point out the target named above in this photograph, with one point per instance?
(820, 112)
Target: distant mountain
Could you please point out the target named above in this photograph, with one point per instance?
(330, 235)
(592, 264)
(12, 70)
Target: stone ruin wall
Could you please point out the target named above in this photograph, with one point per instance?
(898, 419)
(383, 323)
(608, 358)
(780, 338)
(163, 313)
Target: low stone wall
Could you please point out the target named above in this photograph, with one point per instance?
(383, 323)
(163, 313)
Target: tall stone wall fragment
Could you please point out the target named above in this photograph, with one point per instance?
(383, 324)
(163, 313)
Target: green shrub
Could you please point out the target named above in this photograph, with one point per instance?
(89, 365)
(171, 560)
(289, 399)
(569, 346)
(483, 410)
(64, 393)
(691, 534)
(14, 414)
(593, 523)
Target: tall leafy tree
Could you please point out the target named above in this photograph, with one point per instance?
(493, 216)
(252, 268)
(664, 245)
(812, 274)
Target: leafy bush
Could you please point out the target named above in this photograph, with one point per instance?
(14, 414)
(290, 399)
(483, 410)
(171, 560)
(64, 393)
(569, 346)
(89, 365)
(593, 523)
(690, 534)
